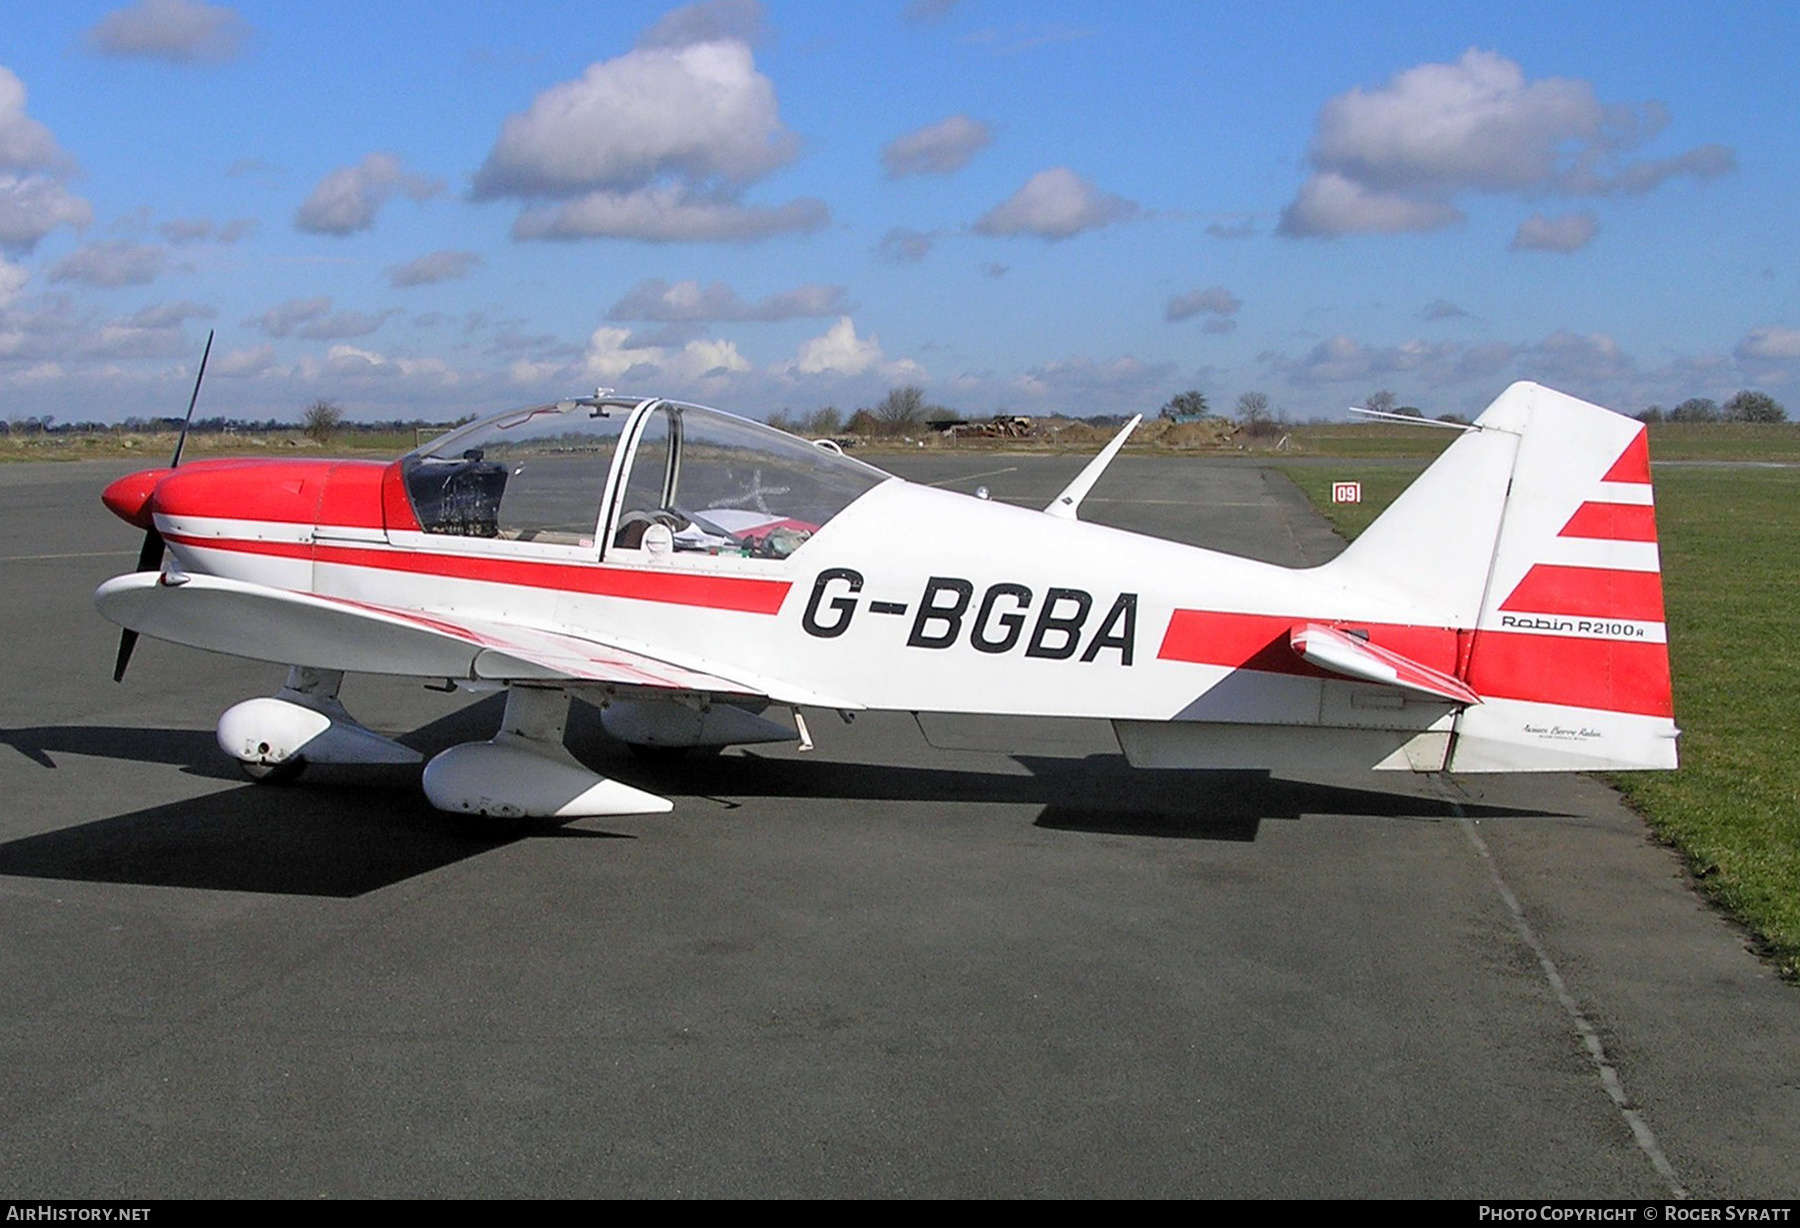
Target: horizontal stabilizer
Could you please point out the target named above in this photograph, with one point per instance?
(1340, 653)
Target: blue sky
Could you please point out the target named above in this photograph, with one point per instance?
(436, 209)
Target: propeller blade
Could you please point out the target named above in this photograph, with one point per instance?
(127, 641)
(189, 420)
(150, 557)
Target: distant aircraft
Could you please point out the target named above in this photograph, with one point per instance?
(700, 577)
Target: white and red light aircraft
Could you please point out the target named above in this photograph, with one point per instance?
(694, 574)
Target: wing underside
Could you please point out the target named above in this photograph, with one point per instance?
(270, 624)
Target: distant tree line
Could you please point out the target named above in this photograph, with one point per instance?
(1258, 416)
(903, 411)
(1743, 406)
(46, 424)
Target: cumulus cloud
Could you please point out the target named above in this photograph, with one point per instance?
(12, 280)
(1569, 233)
(658, 144)
(1576, 360)
(34, 205)
(48, 331)
(245, 364)
(1484, 361)
(339, 325)
(1591, 365)
(174, 31)
(707, 22)
(353, 363)
(284, 318)
(1055, 204)
(614, 353)
(435, 267)
(1770, 344)
(1475, 123)
(348, 199)
(33, 200)
(153, 332)
(700, 112)
(839, 351)
(111, 263)
(1340, 359)
(1333, 204)
(1701, 162)
(902, 245)
(688, 302)
(25, 144)
(942, 148)
(1395, 158)
(1216, 301)
(314, 319)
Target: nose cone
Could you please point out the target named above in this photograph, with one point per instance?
(129, 497)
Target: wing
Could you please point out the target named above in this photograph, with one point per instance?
(271, 624)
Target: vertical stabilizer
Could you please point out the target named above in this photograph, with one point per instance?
(1534, 537)
(1570, 653)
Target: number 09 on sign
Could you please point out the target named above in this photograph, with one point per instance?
(1346, 492)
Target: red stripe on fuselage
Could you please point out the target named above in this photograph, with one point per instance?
(238, 545)
(1260, 642)
(1588, 592)
(740, 594)
(1581, 672)
(1614, 522)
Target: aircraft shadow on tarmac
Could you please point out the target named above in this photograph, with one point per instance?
(1092, 793)
(349, 831)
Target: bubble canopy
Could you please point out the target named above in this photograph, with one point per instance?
(624, 475)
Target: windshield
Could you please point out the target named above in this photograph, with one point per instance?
(534, 474)
(714, 483)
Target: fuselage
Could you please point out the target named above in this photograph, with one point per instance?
(1505, 614)
(911, 598)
